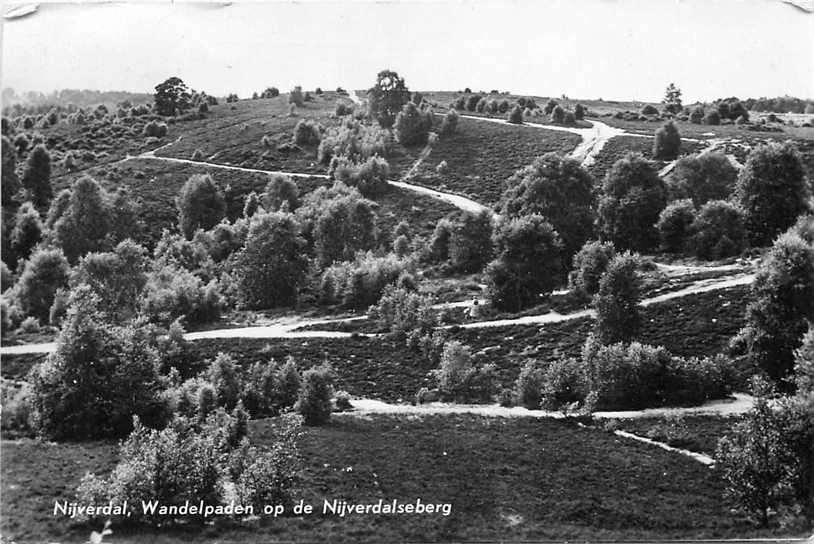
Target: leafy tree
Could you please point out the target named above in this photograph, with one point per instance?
(557, 115)
(674, 225)
(11, 183)
(200, 204)
(281, 193)
(413, 125)
(296, 97)
(37, 176)
(667, 143)
(125, 210)
(57, 208)
(527, 265)
(28, 230)
(369, 177)
(560, 190)
(632, 198)
(617, 301)
(672, 98)
(115, 278)
(697, 115)
(86, 221)
(450, 123)
(386, 97)
(346, 225)
(470, 246)
(773, 190)
(781, 303)
(751, 460)
(43, 274)
(222, 374)
(170, 96)
(99, 377)
(589, 264)
(702, 178)
(718, 230)
(712, 118)
(271, 267)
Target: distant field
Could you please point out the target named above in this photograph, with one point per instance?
(481, 156)
(505, 478)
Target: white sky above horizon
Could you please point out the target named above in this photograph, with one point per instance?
(611, 49)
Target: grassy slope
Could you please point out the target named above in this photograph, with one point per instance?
(506, 478)
(481, 156)
(157, 183)
(702, 431)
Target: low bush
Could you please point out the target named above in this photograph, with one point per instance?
(529, 383)
(369, 177)
(515, 116)
(450, 123)
(295, 97)
(360, 283)
(154, 129)
(404, 312)
(649, 109)
(172, 292)
(459, 380)
(211, 463)
(354, 140)
(557, 115)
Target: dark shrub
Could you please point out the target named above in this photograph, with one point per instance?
(718, 230)
(296, 97)
(773, 190)
(37, 176)
(307, 133)
(667, 143)
(314, 402)
(781, 302)
(697, 115)
(369, 177)
(413, 125)
(529, 383)
(617, 301)
(516, 116)
(650, 110)
(557, 115)
(559, 189)
(674, 225)
(43, 274)
(270, 268)
(632, 198)
(705, 177)
(450, 123)
(528, 263)
(589, 264)
(712, 118)
(470, 246)
(200, 204)
(281, 193)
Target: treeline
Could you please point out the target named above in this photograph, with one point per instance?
(37, 102)
(780, 104)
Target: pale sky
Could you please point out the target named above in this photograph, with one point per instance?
(613, 49)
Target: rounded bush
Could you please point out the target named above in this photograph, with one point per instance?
(674, 225)
(667, 142)
(718, 230)
(516, 116)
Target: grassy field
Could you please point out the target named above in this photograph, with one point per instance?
(481, 156)
(511, 479)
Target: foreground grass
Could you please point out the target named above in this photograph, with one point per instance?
(505, 478)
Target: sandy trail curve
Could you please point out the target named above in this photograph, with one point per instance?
(286, 329)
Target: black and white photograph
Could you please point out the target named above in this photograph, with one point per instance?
(407, 271)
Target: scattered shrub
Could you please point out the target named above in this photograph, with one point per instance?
(369, 177)
(200, 204)
(470, 245)
(516, 116)
(413, 125)
(450, 123)
(314, 401)
(705, 177)
(360, 283)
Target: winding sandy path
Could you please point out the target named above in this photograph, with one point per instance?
(286, 329)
